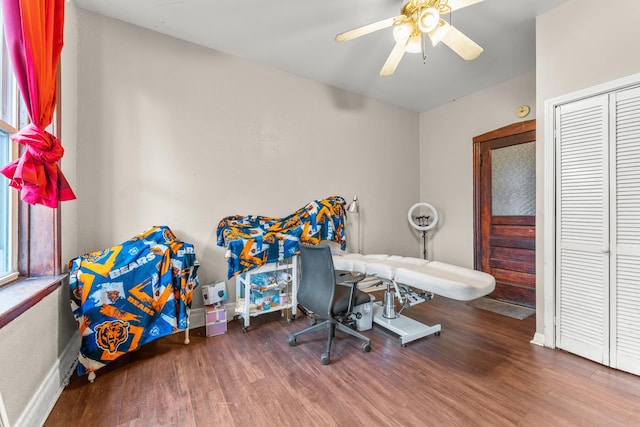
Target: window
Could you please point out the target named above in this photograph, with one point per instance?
(7, 251)
(30, 244)
(8, 202)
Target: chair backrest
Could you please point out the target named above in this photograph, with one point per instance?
(317, 281)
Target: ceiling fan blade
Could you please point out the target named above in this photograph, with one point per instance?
(366, 29)
(461, 44)
(459, 4)
(439, 32)
(394, 58)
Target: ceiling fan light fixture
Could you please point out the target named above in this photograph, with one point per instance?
(415, 43)
(402, 32)
(428, 19)
(418, 19)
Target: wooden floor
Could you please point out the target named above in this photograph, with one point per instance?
(481, 371)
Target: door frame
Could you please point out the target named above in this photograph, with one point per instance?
(506, 131)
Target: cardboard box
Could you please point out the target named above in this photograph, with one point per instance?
(215, 319)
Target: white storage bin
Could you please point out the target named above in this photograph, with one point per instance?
(365, 322)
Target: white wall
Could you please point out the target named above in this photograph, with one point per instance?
(36, 354)
(579, 44)
(176, 134)
(446, 160)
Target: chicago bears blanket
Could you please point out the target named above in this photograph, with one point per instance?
(133, 293)
(254, 240)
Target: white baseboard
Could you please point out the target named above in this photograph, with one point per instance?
(4, 419)
(230, 307)
(42, 402)
(196, 318)
(538, 339)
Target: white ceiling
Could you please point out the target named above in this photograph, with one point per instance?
(297, 36)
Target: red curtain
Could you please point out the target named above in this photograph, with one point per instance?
(34, 32)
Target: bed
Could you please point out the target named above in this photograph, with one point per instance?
(412, 281)
(131, 294)
(436, 277)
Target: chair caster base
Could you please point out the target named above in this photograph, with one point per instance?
(292, 341)
(366, 347)
(324, 359)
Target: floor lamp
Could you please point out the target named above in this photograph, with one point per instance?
(354, 207)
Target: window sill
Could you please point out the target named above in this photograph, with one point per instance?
(18, 297)
(8, 278)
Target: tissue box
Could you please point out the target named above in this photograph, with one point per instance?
(213, 294)
(215, 319)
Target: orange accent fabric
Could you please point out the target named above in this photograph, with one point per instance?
(34, 35)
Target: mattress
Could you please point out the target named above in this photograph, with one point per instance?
(447, 280)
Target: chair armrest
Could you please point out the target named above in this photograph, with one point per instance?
(351, 281)
(343, 276)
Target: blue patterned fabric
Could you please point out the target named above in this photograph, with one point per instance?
(253, 241)
(131, 294)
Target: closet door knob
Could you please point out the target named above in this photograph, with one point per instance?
(605, 249)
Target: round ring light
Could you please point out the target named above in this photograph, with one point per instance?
(434, 215)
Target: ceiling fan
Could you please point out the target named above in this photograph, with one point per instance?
(417, 19)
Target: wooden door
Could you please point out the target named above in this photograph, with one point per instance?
(504, 210)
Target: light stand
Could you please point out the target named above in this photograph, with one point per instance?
(354, 207)
(423, 221)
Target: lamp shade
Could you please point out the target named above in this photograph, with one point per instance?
(415, 43)
(354, 206)
(402, 32)
(428, 19)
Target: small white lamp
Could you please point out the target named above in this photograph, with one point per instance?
(354, 207)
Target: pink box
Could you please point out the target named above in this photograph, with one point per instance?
(216, 320)
(216, 328)
(215, 313)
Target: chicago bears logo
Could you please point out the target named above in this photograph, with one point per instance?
(113, 295)
(168, 236)
(109, 335)
(95, 257)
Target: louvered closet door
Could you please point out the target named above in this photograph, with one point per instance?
(582, 228)
(625, 233)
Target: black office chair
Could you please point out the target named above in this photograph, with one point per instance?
(328, 301)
